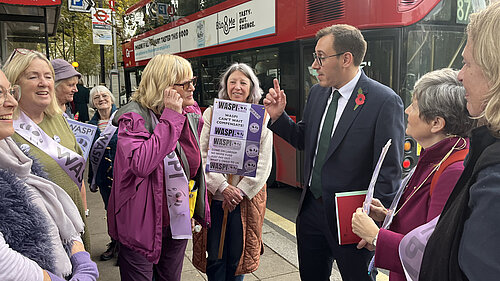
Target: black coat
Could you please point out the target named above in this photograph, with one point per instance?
(81, 100)
(442, 253)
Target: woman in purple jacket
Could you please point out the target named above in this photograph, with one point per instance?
(157, 154)
(439, 122)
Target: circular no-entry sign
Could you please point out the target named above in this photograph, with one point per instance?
(101, 15)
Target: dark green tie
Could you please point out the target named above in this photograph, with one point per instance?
(324, 143)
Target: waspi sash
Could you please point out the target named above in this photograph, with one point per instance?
(177, 190)
(97, 151)
(71, 162)
(412, 247)
(84, 134)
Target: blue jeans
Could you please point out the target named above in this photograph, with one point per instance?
(225, 268)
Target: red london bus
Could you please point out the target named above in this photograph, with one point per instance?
(406, 39)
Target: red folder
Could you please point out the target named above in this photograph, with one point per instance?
(346, 204)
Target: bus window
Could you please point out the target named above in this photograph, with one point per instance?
(264, 61)
(430, 48)
(379, 61)
(210, 71)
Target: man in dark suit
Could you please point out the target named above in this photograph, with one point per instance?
(356, 115)
(81, 100)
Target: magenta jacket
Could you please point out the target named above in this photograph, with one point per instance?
(136, 203)
(420, 208)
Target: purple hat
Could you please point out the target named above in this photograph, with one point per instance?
(63, 69)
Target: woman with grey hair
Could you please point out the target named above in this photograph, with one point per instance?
(66, 78)
(242, 198)
(102, 154)
(227, 85)
(438, 121)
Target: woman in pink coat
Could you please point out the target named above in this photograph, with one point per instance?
(157, 154)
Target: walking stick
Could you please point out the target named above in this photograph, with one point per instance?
(223, 229)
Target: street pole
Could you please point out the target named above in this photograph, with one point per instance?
(101, 50)
(115, 58)
(47, 53)
(64, 43)
(74, 45)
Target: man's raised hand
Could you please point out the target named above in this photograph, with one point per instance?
(275, 101)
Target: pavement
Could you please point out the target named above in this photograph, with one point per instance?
(278, 263)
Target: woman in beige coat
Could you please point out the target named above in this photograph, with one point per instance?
(243, 197)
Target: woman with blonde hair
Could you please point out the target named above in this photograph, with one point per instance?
(463, 245)
(39, 224)
(157, 154)
(41, 128)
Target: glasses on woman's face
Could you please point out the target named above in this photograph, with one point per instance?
(14, 91)
(188, 83)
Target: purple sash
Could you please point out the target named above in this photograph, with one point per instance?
(97, 150)
(412, 246)
(177, 190)
(84, 134)
(71, 162)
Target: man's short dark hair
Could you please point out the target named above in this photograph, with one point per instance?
(346, 38)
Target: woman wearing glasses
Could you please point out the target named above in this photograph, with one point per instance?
(243, 197)
(41, 128)
(103, 151)
(157, 154)
(438, 121)
(38, 220)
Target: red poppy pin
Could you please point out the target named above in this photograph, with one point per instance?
(360, 99)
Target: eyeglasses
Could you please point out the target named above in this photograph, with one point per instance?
(104, 96)
(21, 51)
(186, 85)
(14, 91)
(320, 59)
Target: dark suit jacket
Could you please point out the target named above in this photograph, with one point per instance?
(356, 144)
(81, 99)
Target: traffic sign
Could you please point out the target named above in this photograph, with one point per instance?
(101, 26)
(81, 5)
(101, 15)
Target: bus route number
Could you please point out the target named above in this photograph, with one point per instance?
(463, 11)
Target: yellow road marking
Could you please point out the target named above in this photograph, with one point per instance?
(289, 227)
(280, 221)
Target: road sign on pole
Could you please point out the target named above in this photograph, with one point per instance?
(81, 5)
(101, 26)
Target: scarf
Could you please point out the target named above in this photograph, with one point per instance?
(64, 221)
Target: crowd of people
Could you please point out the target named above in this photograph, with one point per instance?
(149, 160)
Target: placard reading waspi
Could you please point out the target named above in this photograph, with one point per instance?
(235, 137)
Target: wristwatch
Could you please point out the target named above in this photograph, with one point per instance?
(374, 241)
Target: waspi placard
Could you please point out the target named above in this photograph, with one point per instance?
(235, 137)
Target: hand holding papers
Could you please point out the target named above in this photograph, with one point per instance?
(371, 187)
(347, 202)
(235, 137)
